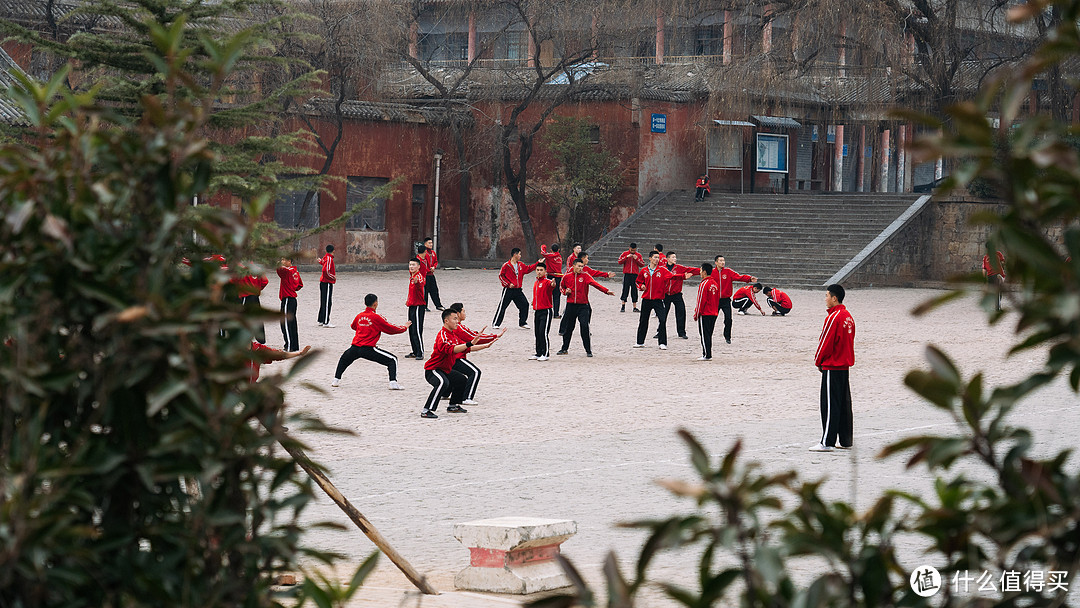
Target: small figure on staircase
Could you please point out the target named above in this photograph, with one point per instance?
(702, 188)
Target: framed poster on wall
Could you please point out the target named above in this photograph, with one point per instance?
(772, 153)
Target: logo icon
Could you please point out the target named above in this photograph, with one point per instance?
(925, 581)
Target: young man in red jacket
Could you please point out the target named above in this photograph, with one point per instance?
(653, 283)
(576, 285)
(553, 266)
(583, 257)
(417, 304)
(707, 309)
(725, 276)
(511, 276)
(430, 261)
(439, 369)
(543, 314)
(835, 354)
(574, 254)
(463, 365)
(326, 286)
(369, 326)
(995, 275)
(744, 298)
(632, 263)
(673, 297)
(778, 301)
(290, 284)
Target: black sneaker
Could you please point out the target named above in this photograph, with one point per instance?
(685, 337)
(622, 308)
(636, 309)
(561, 352)
(588, 354)
(439, 308)
(558, 316)
(728, 340)
(428, 414)
(457, 409)
(410, 356)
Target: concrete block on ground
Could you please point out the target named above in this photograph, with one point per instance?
(513, 554)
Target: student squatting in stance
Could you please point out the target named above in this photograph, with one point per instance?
(745, 297)
(835, 354)
(463, 365)
(778, 301)
(416, 301)
(326, 286)
(575, 285)
(439, 369)
(707, 309)
(543, 313)
(511, 275)
(290, 284)
(369, 326)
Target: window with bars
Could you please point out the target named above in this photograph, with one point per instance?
(287, 209)
(356, 192)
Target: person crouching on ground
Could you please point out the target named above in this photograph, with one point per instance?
(439, 369)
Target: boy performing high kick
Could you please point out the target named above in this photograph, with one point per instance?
(369, 326)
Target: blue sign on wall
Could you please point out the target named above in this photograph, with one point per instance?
(772, 153)
(659, 123)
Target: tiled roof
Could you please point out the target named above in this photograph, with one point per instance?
(392, 112)
(10, 113)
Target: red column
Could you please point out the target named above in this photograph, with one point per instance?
(884, 186)
(766, 32)
(414, 40)
(838, 160)
(727, 37)
(659, 36)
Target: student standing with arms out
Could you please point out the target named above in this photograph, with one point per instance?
(463, 365)
(553, 265)
(326, 286)
(576, 285)
(745, 297)
(835, 355)
(583, 257)
(290, 284)
(543, 313)
(430, 261)
(707, 309)
(725, 276)
(632, 263)
(673, 297)
(652, 281)
(511, 276)
(369, 326)
(439, 369)
(778, 301)
(417, 304)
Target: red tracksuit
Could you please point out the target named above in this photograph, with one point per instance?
(705, 313)
(290, 282)
(541, 299)
(678, 272)
(725, 276)
(570, 262)
(251, 285)
(416, 289)
(835, 354)
(328, 269)
(631, 261)
(370, 325)
(552, 261)
(653, 285)
(747, 292)
(595, 273)
(780, 298)
(442, 352)
(512, 277)
(989, 270)
(576, 287)
(429, 261)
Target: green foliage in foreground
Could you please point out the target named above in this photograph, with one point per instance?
(138, 463)
(1007, 511)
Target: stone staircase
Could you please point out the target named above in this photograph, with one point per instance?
(797, 240)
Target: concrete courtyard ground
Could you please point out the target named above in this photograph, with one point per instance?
(585, 439)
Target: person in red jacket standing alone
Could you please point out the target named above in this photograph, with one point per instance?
(575, 285)
(250, 286)
(707, 309)
(511, 276)
(417, 303)
(835, 354)
(290, 284)
(369, 326)
(725, 276)
(995, 275)
(632, 263)
(653, 282)
(326, 286)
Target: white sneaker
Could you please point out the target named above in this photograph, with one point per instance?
(320, 325)
(336, 382)
(469, 402)
(743, 313)
(496, 327)
(820, 447)
(703, 358)
(525, 326)
(542, 358)
(663, 347)
(639, 346)
(394, 386)
(330, 325)
(533, 357)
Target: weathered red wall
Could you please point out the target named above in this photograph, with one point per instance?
(671, 160)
